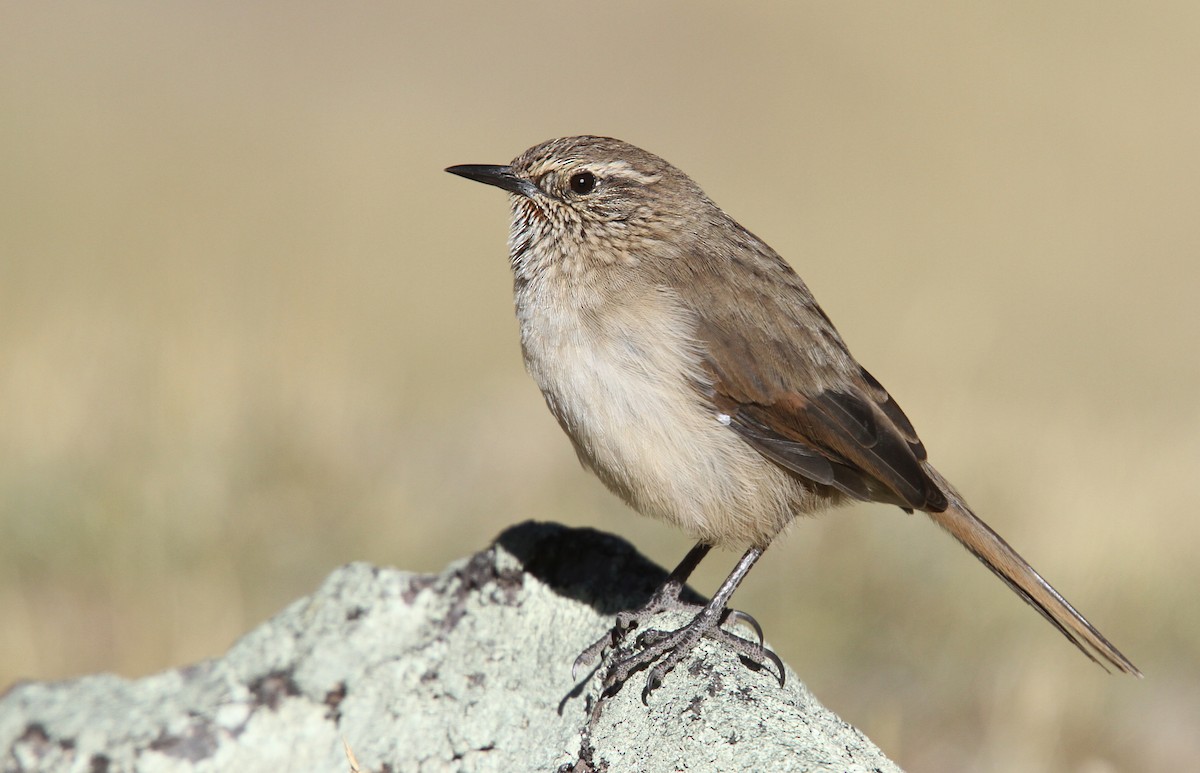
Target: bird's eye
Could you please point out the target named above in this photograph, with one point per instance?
(583, 182)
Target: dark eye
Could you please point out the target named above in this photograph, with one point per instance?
(583, 182)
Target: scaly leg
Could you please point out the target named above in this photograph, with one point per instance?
(673, 646)
(666, 598)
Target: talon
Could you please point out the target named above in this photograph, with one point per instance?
(594, 650)
(653, 682)
(738, 616)
(575, 668)
(775, 659)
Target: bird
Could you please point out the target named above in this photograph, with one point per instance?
(698, 378)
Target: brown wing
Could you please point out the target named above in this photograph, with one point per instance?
(840, 438)
(778, 368)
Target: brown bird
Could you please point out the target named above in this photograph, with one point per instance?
(698, 378)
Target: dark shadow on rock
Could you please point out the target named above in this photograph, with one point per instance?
(594, 567)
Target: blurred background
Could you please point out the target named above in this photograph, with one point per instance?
(250, 331)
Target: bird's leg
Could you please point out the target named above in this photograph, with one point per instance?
(664, 599)
(668, 648)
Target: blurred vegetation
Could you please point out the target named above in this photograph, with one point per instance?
(250, 331)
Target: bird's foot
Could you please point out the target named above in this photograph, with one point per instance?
(666, 599)
(666, 649)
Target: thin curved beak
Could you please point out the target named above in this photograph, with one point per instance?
(500, 176)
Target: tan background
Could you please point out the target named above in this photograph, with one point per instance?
(249, 330)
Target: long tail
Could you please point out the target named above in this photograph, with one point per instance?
(996, 554)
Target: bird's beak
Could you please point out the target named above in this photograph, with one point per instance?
(500, 176)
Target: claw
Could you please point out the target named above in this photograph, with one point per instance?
(579, 663)
(595, 650)
(738, 616)
(777, 662)
(653, 682)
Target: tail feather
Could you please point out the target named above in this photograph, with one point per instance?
(998, 556)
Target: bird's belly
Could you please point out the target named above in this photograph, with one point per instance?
(629, 400)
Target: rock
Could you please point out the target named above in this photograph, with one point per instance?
(467, 670)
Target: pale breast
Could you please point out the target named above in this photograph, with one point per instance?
(621, 377)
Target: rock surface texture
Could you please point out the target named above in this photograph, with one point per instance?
(467, 670)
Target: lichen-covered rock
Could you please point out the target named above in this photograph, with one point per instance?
(468, 670)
